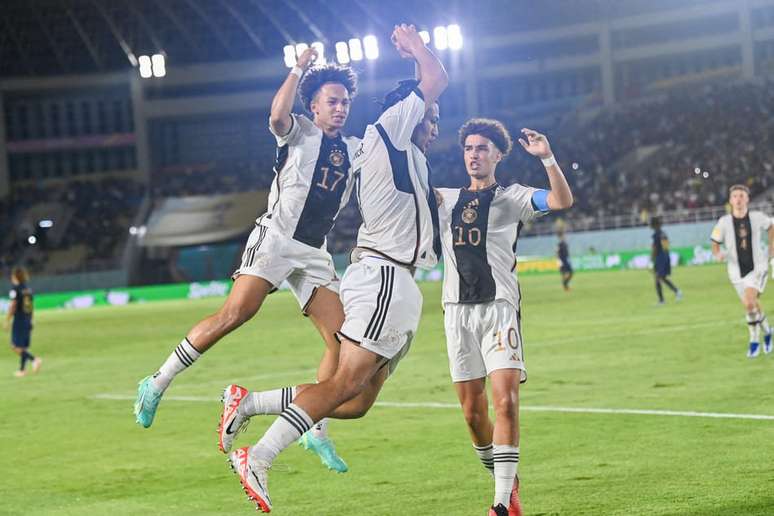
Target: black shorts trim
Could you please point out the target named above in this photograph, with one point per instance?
(305, 309)
(339, 335)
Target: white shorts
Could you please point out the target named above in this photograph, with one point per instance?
(483, 337)
(276, 258)
(754, 279)
(382, 307)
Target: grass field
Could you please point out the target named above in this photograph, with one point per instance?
(64, 450)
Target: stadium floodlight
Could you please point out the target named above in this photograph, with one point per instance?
(146, 67)
(133, 230)
(46, 223)
(32, 240)
(454, 35)
(355, 50)
(320, 47)
(425, 36)
(342, 52)
(290, 55)
(159, 65)
(371, 45)
(440, 38)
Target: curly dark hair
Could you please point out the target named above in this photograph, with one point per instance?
(316, 77)
(488, 128)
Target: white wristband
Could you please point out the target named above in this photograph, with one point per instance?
(549, 161)
(297, 71)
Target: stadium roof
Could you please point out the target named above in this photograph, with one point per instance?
(54, 37)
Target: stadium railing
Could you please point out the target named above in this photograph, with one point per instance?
(547, 225)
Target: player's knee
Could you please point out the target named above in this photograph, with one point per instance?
(505, 406)
(473, 417)
(232, 317)
(751, 306)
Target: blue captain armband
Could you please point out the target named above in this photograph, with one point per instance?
(540, 201)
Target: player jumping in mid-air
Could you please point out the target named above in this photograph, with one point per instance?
(662, 264)
(741, 233)
(312, 183)
(482, 300)
(563, 255)
(20, 312)
(382, 303)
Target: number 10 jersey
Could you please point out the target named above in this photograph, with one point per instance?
(479, 230)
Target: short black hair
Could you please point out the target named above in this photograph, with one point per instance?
(655, 222)
(488, 128)
(400, 92)
(316, 77)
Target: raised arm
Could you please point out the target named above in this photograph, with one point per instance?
(430, 72)
(560, 196)
(282, 104)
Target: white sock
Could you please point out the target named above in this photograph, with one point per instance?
(267, 402)
(485, 456)
(286, 429)
(764, 323)
(753, 327)
(181, 358)
(320, 429)
(506, 465)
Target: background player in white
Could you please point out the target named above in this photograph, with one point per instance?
(741, 233)
(312, 182)
(382, 303)
(480, 225)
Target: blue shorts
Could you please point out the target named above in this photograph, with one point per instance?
(663, 266)
(20, 337)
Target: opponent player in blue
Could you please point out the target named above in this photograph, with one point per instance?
(662, 265)
(19, 319)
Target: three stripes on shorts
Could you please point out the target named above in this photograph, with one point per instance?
(383, 299)
(248, 257)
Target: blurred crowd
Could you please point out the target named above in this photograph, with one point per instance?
(677, 151)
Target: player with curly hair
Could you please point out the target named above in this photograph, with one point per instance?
(479, 226)
(312, 183)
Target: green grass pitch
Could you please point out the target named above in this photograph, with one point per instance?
(64, 451)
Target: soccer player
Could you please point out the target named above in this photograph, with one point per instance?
(382, 303)
(741, 232)
(20, 312)
(480, 225)
(565, 267)
(662, 264)
(312, 182)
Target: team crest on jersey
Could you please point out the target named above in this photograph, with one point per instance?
(336, 158)
(469, 215)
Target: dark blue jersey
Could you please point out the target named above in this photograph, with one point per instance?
(660, 243)
(22, 295)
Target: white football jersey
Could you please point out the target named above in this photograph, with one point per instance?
(312, 182)
(392, 185)
(743, 240)
(479, 231)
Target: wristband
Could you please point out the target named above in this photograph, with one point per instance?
(297, 71)
(549, 161)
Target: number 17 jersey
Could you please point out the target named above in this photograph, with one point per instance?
(312, 182)
(479, 230)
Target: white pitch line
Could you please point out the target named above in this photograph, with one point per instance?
(527, 408)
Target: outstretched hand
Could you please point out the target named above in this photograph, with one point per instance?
(406, 40)
(536, 144)
(306, 58)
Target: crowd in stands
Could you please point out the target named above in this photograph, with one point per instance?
(95, 216)
(690, 146)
